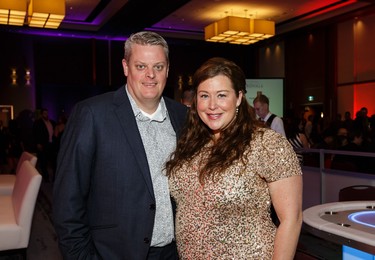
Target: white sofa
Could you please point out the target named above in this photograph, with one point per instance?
(7, 180)
(17, 209)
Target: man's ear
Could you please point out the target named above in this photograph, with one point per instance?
(125, 67)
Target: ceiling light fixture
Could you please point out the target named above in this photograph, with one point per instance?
(12, 12)
(238, 30)
(38, 13)
(46, 13)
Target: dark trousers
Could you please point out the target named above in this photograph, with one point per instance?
(168, 252)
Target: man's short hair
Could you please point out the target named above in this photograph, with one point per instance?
(262, 99)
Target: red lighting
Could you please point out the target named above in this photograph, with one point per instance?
(322, 7)
(363, 96)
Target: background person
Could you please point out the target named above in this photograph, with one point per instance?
(295, 134)
(261, 105)
(4, 142)
(43, 129)
(226, 171)
(187, 97)
(111, 200)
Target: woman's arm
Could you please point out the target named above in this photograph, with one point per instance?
(286, 196)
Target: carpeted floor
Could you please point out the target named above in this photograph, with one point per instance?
(43, 240)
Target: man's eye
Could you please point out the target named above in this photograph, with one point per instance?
(140, 67)
(159, 67)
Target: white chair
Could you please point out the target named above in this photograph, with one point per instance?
(7, 180)
(17, 210)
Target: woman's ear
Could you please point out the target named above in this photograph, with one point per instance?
(239, 99)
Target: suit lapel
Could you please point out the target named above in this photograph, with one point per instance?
(174, 117)
(125, 115)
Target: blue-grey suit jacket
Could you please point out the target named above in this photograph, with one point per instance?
(103, 201)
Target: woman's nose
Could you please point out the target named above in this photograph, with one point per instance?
(212, 104)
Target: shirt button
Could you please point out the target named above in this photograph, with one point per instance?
(146, 240)
(152, 206)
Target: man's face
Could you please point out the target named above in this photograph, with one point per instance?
(146, 72)
(261, 109)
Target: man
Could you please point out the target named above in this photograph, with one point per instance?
(43, 136)
(187, 97)
(261, 106)
(111, 198)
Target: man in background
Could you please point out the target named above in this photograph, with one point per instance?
(261, 106)
(43, 136)
(187, 96)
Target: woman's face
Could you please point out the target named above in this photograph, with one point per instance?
(217, 103)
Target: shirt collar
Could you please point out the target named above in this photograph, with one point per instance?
(267, 116)
(159, 115)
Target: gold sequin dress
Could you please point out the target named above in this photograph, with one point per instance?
(230, 219)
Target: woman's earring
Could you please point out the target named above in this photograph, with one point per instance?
(236, 110)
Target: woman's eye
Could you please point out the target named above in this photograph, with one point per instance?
(203, 96)
(222, 95)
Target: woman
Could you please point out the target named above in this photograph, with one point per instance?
(227, 170)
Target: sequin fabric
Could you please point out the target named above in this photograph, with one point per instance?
(230, 219)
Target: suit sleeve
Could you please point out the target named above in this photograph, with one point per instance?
(72, 185)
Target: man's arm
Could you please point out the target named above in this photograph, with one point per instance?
(72, 185)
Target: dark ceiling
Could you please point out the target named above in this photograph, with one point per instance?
(139, 14)
(187, 18)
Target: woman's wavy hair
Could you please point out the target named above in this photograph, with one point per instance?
(233, 141)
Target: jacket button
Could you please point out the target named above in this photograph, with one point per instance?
(146, 240)
(152, 206)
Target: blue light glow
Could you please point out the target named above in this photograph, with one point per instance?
(366, 218)
(349, 253)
